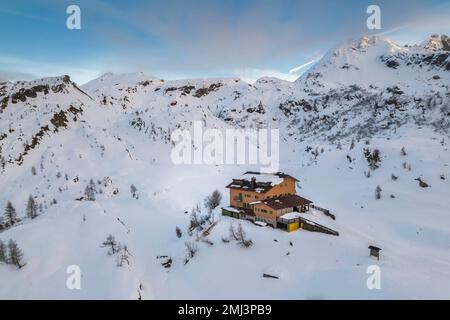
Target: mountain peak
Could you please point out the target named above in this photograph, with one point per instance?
(49, 81)
(110, 79)
(129, 75)
(436, 43)
(359, 61)
(367, 42)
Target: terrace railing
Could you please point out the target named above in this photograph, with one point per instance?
(324, 211)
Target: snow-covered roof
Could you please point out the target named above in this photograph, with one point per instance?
(231, 209)
(261, 223)
(312, 216)
(284, 202)
(259, 182)
(263, 177)
(290, 216)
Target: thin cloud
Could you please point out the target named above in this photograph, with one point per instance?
(251, 75)
(213, 38)
(25, 69)
(300, 67)
(393, 30)
(15, 76)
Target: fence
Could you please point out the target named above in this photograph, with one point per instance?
(324, 211)
(309, 225)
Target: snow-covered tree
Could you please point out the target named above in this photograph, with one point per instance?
(32, 208)
(240, 236)
(403, 151)
(2, 163)
(378, 191)
(195, 221)
(178, 232)
(191, 249)
(89, 191)
(213, 201)
(373, 158)
(10, 214)
(352, 144)
(240, 233)
(233, 233)
(123, 256)
(3, 253)
(406, 166)
(111, 243)
(15, 254)
(133, 191)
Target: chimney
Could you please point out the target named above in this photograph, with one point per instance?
(253, 182)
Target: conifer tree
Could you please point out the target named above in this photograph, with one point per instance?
(89, 191)
(3, 254)
(378, 191)
(15, 254)
(32, 208)
(10, 214)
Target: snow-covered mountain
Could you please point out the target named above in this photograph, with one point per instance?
(371, 93)
(379, 62)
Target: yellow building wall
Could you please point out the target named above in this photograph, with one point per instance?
(265, 215)
(287, 187)
(293, 226)
(247, 197)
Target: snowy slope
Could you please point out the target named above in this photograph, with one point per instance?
(115, 130)
(380, 62)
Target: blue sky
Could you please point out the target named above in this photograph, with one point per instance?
(175, 39)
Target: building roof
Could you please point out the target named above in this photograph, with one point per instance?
(260, 187)
(286, 202)
(258, 182)
(263, 175)
(232, 209)
(374, 248)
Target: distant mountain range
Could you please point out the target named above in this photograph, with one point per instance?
(359, 89)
